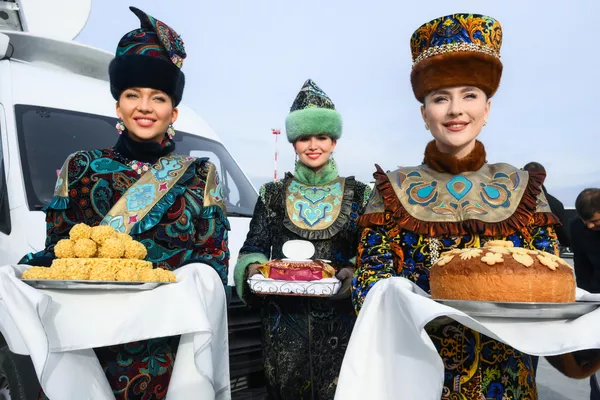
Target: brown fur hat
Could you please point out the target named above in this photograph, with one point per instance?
(456, 50)
(467, 68)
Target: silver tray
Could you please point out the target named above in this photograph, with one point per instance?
(91, 285)
(522, 310)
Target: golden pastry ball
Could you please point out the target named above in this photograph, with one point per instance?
(80, 231)
(36, 273)
(101, 233)
(85, 248)
(147, 275)
(76, 273)
(127, 274)
(135, 250)
(135, 263)
(102, 273)
(164, 276)
(58, 272)
(111, 248)
(123, 237)
(65, 248)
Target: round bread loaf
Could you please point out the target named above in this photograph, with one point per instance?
(502, 273)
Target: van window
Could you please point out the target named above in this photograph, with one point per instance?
(47, 136)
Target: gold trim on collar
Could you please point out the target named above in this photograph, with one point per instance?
(491, 194)
(62, 182)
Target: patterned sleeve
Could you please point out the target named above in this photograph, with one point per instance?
(540, 233)
(258, 239)
(211, 245)
(351, 235)
(542, 238)
(61, 214)
(376, 262)
(257, 246)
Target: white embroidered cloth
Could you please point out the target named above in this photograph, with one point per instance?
(390, 356)
(59, 329)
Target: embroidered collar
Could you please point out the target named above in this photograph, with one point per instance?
(442, 162)
(309, 177)
(496, 200)
(317, 212)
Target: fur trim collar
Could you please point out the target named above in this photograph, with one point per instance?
(325, 175)
(443, 162)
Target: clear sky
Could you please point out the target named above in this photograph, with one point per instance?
(248, 59)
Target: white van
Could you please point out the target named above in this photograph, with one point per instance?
(55, 100)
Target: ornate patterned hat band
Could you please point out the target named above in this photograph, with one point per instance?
(455, 47)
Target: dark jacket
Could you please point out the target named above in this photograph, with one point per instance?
(586, 253)
(558, 209)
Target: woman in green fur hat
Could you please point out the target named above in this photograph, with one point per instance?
(305, 338)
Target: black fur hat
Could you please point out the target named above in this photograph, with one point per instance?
(151, 56)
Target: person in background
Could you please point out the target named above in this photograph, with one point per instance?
(557, 207)
(585, 234)
(305, 338)
(585, 244)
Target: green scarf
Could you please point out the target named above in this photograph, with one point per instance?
(325, 175)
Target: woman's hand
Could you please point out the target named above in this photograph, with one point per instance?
(252, 269)
(578, 364)
(345, 275)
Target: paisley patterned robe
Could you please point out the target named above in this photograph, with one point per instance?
(413, 216)
(187, 225)
(304, 338)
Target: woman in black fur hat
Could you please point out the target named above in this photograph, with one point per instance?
(187, 224)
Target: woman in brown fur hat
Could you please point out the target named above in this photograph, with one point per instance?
(456, 200)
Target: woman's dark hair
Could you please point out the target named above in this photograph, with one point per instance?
(534, 167)
(588, 203)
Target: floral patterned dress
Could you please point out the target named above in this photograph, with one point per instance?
(187, 225)
(304, 338)
(414, 215)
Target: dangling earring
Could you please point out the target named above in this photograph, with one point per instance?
(170, 131)
(485, 122)
(333, 164)
(120, 127)
(426, 127)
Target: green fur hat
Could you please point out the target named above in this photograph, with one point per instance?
(313, 113)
